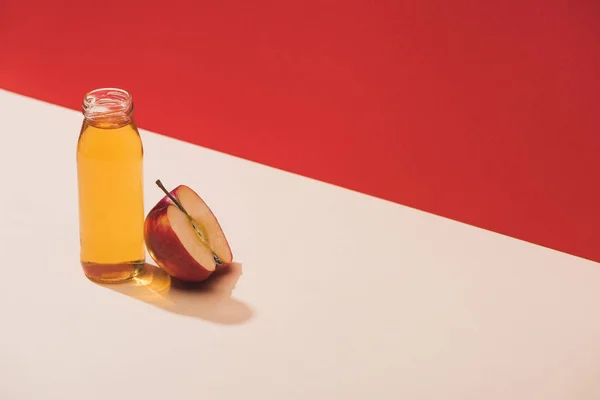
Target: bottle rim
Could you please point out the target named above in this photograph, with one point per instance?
(107, 104)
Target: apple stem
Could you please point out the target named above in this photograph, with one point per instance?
(173, 199)
(178, 204)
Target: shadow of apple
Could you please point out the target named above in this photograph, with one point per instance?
(210, 300)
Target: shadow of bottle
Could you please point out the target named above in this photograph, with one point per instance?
(210, 300)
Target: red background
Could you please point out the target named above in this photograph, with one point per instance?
(485, 112)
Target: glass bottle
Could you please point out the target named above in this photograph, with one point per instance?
(110, 185)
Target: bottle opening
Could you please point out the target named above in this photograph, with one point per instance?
(108, 105)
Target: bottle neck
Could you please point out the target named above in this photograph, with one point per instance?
(108, 108)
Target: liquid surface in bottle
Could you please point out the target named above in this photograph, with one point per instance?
(111, 205)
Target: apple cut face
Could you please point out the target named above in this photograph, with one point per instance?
(189, 239)
(212, 237)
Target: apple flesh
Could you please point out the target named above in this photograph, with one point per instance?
(184, 237)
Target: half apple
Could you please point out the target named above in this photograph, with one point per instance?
(184, 237)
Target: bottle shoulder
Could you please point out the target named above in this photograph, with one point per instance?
(123, 141)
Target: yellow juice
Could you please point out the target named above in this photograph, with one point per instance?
(111, 201)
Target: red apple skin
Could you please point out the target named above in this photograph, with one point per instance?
(166, 249)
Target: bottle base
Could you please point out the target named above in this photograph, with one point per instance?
(112, 273)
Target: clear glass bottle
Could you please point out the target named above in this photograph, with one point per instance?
(110, 184)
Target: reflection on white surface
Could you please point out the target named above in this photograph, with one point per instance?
(210, 300)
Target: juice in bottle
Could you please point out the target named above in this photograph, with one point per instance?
(110, 185)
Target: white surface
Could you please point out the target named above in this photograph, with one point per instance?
(343, 296)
